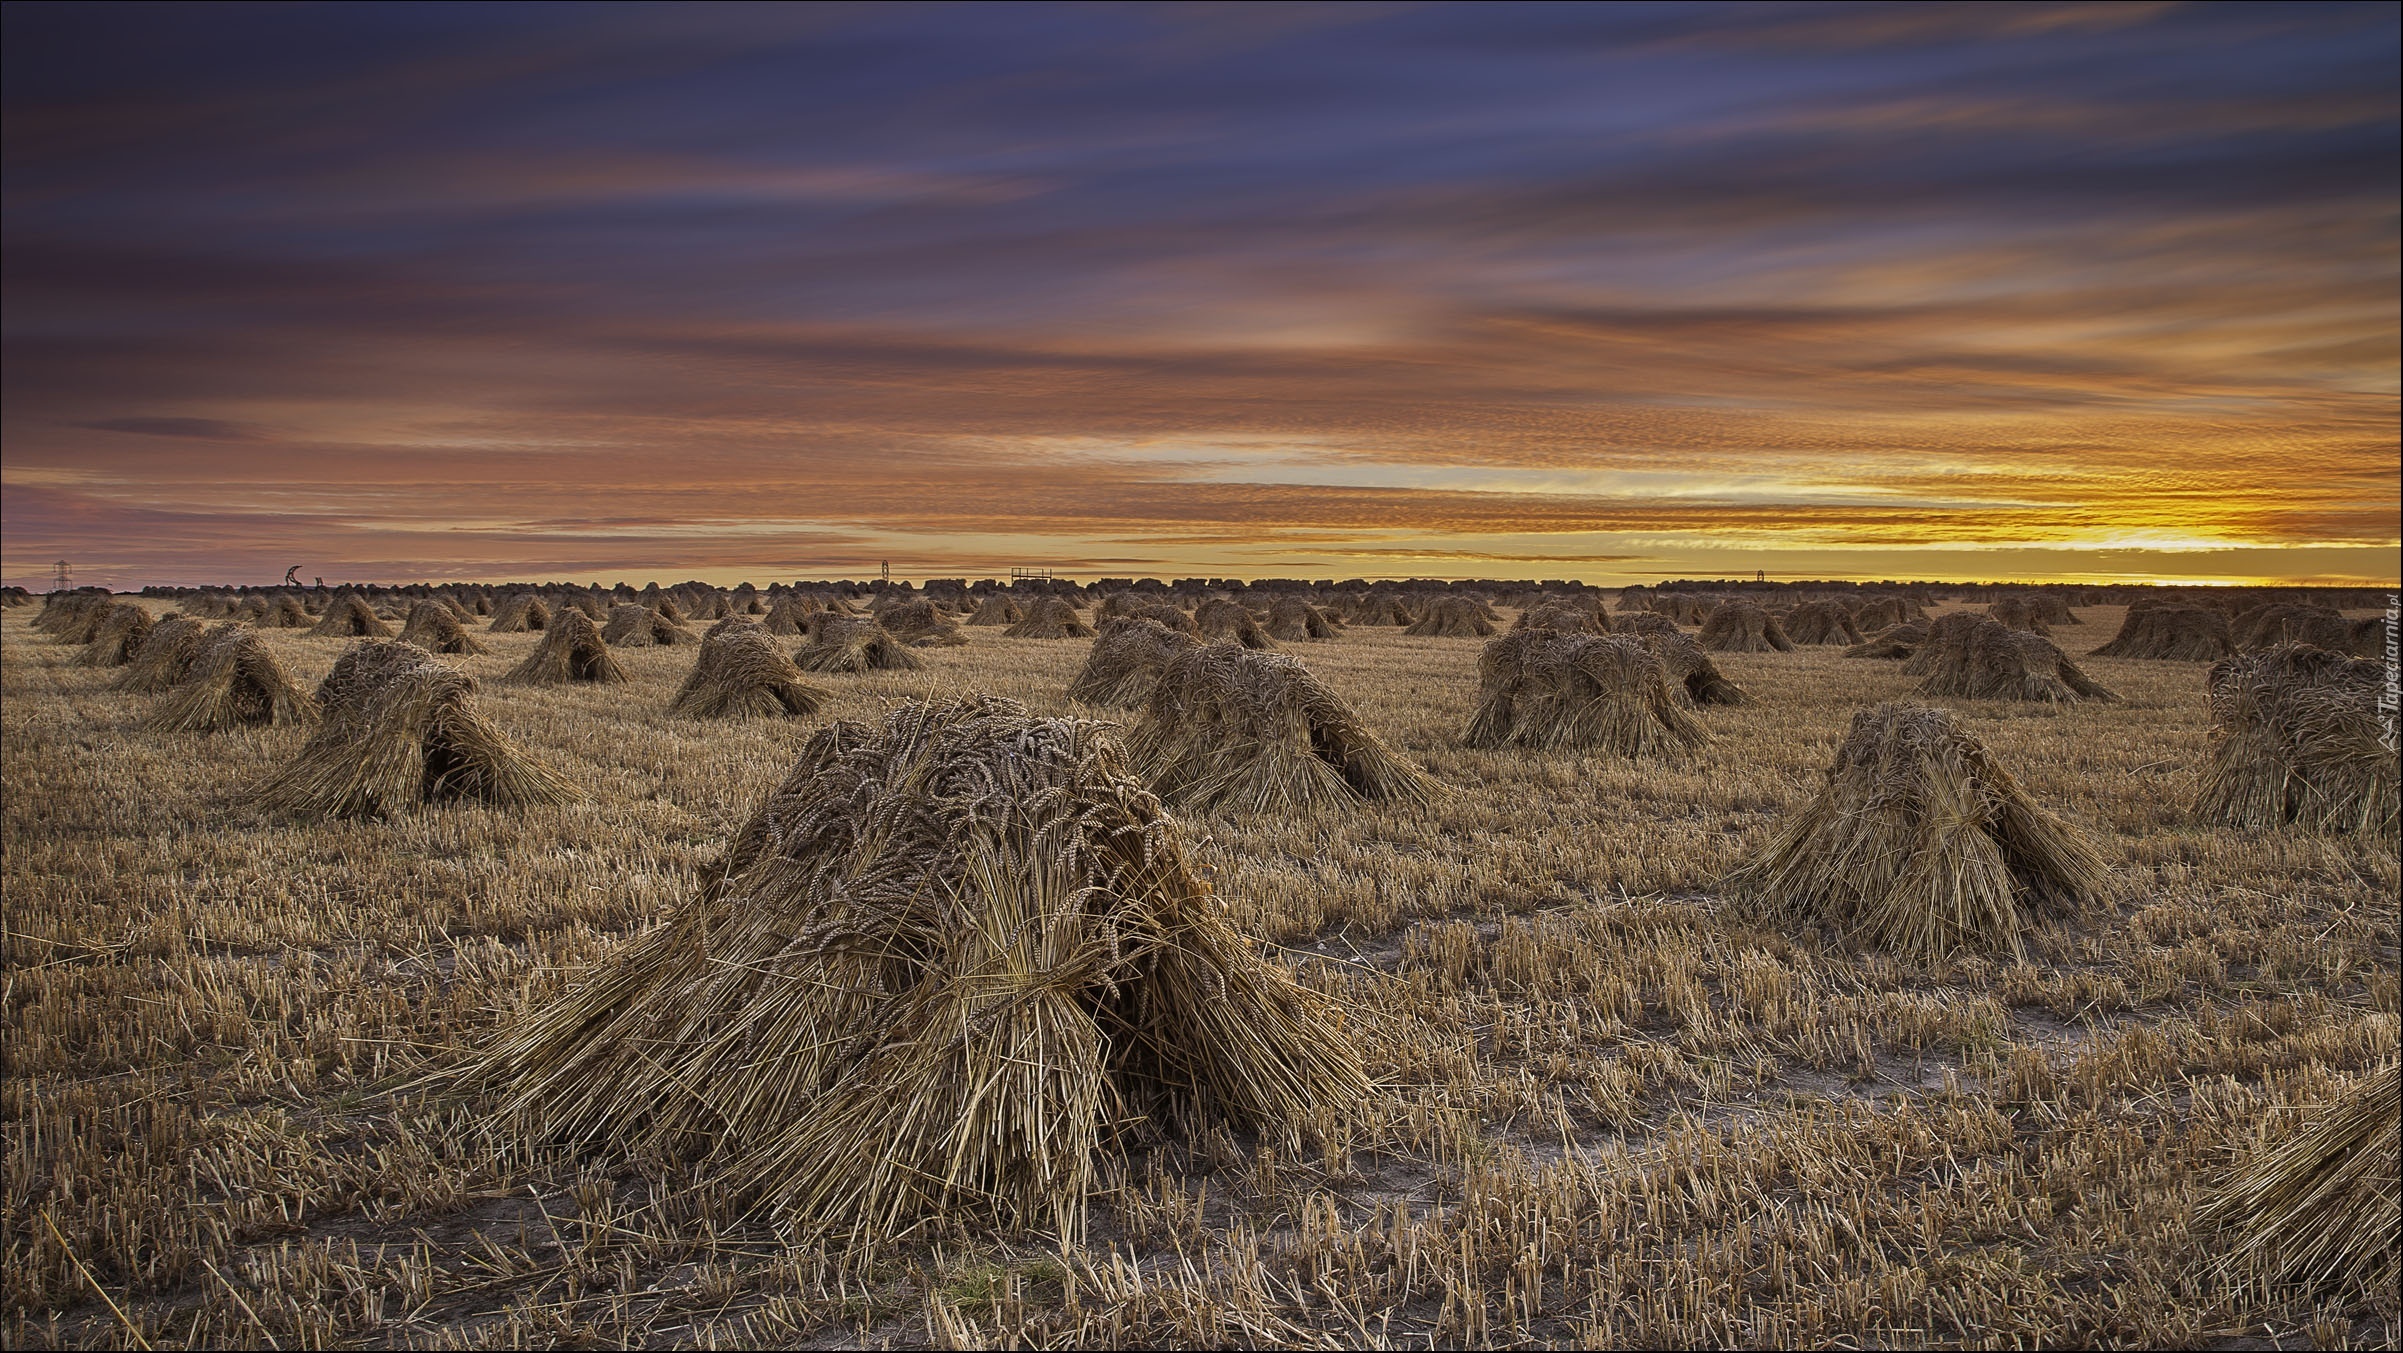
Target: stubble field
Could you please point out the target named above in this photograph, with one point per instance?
(1608, 1111)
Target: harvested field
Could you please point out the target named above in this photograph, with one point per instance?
(1607, 1107)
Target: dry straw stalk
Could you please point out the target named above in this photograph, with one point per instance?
(1546, 688)
(571, 649)
(2297, 739)
(1126, 661)
(848, 643)
(1228, 728)
(349, 616)
(399, 730)
(435, 628)
(2322, 1211)
(235, 682)
(741, 673)
(1919, 843)
(946, 964)
(1982, 660)
(116, 636)
(165, 657)
(1048, 618)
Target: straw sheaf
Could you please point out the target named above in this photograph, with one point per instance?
(1683, 608)
(349, 617)
(1381, 609)
(1229, 728)
(235, 682)
(1821, 622)
(1984, 661)
(165, 657)
(2321, 1211)
(1693, 677)
(1567, 617)
(1884, 612)
(1920, 844)
(2297, 739)
(2018, 613)
(2170, 632)
(70, 617)
(947, 963)
(116, 636)
(848, 643)
(434, 627)
(790, 615)
(1295, 620)
(921, 625)
(2323, 627)
(1126, 662)
(519, 614)
(1894, 642)
(1546, 688)
(570, 650)
(1161, 613)
(742, 674)
(400, 729)
(1220, 620)
(1741, 627)
(1642, 622)
(1048, 618)
(1452, 617)
(632, 626)
(998, 609)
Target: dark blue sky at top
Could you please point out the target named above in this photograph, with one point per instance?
(207, 205)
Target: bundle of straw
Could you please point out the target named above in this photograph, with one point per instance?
(742, 674)
(1220, 619)
(998, 609)
(1741, 627)
(2172, 631)
(920, 624)
(1921, 844)
(234, 682)
(1642, 622)
(1230, 728)
(1693, 677)
(946, 963)
(2322, 1211)
(632, 626)
(116, 636)
(1821, 622)
(1568, 617)
(1126, 661)
(2017, 613)
(848, 643)
(1454, 617)
(400, 730)
(165, 657)
(1894, 642)
(2298, 738)
(1984, 661)
(570, 650)
(1293, 619)
(519, 613)
(434, 627)
(69, 617)
(1546, 688)
(350, 617)
(1049, 618)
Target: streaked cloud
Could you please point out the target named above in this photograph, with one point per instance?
(652, 291)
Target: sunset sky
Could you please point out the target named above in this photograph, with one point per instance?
(1622, 293)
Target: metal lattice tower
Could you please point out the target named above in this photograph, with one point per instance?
(61, 572)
